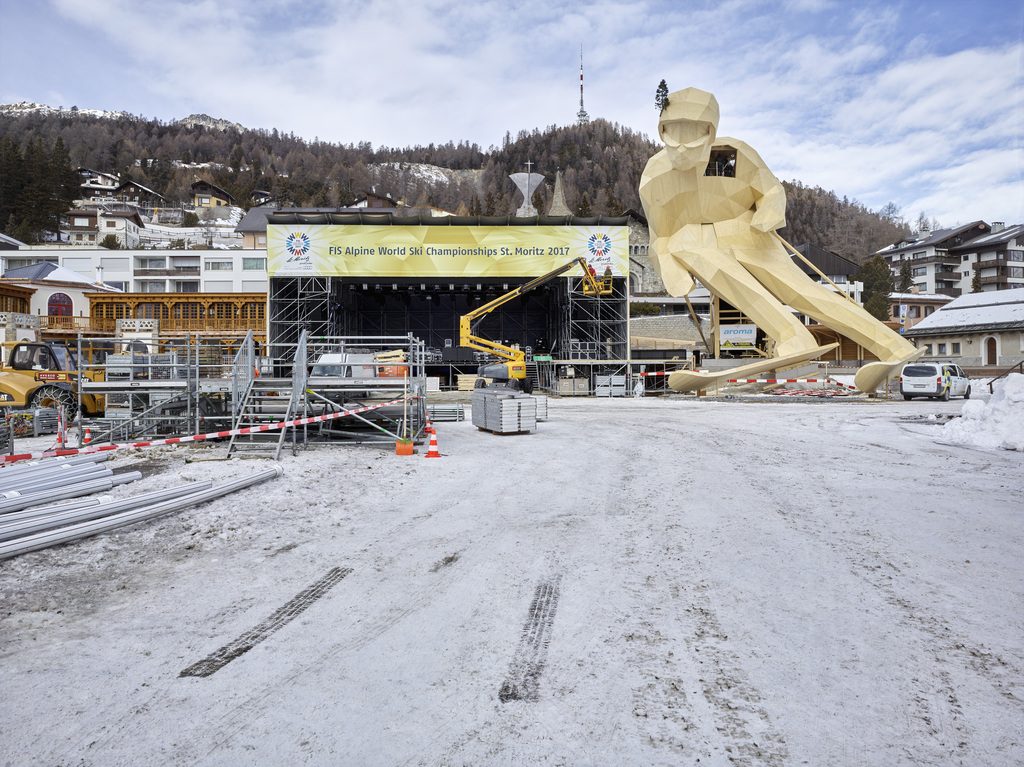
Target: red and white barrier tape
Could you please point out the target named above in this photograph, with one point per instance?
(197, 437)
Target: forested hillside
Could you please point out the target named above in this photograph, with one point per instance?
(601, 165)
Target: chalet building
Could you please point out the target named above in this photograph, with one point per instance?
(57, 296)
(910, 308)
(934, 265)
(91, 226)
(997, 257)
(374, 201)
(17, 323)
(96, 185)
(207, 195)
(133, 191)
(976, 330)
(212, 314)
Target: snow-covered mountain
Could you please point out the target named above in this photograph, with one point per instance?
(215, 123)
(27, 108)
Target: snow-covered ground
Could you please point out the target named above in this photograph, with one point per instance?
(644, 582)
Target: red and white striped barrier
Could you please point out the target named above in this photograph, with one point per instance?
(198, 437)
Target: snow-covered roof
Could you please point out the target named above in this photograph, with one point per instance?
(994, 310)
(923, 296)
(47, 271)
(994, 238)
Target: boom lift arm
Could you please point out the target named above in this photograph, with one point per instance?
(514, 365)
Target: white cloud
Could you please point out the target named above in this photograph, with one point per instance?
(871, 100)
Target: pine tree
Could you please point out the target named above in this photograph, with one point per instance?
(906, 278)
(878, 286)
(661, 97)
(976, 282)
(584, 209)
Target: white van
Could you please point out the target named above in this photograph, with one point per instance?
(934, 379)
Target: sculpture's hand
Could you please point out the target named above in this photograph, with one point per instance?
(771, 210)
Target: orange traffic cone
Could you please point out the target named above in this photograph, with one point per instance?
(87, 438)
(432, 452)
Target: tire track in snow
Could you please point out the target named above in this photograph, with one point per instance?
(280, 618)
(528, 662)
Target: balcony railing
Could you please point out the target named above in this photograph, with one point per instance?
(184, 271)
(172, 325)
(64, 323)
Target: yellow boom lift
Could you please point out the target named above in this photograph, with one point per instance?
(511, 371)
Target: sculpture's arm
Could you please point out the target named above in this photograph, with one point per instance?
(769, 196)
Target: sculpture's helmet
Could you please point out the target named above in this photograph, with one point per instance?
(691, 115)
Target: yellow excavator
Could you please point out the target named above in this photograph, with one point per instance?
(511, 372)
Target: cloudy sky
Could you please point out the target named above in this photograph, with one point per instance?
(918, 102)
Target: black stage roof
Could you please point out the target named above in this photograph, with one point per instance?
(386, 219)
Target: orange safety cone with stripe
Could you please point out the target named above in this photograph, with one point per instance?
(87, 438)
(432, 452)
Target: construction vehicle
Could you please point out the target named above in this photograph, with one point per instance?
(44, 375)
(511, 372)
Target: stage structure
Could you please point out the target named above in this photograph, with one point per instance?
(372, 274)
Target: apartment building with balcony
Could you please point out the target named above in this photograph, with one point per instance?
(997, 258)
(935, 268)
(156, 271)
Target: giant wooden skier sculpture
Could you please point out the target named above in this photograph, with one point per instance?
(713, 208)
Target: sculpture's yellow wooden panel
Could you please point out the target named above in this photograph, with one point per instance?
(721, 230)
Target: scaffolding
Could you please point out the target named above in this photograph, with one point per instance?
(161, 386)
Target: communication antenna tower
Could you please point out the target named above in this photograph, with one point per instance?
(582, 118)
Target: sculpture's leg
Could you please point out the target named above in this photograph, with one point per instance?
(697, 247)
(774, 268)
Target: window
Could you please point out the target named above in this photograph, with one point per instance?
(118, 285)
(80, 221)
(218, 266)
(182, 286)
(254, 264)
(914, 312)
(1015, 255)
(927, 350)
(942, 348)
(1016, 271)
(261, 239)
(111, 224)
(59, 305)
(204, 200)
(922, 254)
(152, 263)
(928, 311)
(919, 271)
(956, 348)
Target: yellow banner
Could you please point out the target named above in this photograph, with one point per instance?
(327, 250)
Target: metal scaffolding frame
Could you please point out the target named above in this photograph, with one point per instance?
(593, 327)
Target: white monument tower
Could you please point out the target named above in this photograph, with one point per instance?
(527, 183)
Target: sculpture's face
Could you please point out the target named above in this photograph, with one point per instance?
(688, 141)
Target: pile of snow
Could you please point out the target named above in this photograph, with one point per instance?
(996, 423)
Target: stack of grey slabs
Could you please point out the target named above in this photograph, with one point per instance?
(504, 412)
(542, 406)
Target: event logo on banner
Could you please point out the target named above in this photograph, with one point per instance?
(374, 250)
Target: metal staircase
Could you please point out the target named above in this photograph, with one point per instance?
(267, 401)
